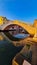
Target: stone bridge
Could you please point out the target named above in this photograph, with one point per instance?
(31, 39)
(30, 29)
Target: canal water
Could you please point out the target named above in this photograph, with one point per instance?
(7, 52)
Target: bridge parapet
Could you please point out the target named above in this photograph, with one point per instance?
(27, 27)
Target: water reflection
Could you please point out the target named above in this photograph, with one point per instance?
(7, 52)
(21, 35)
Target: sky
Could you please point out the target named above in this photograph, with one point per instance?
(23, 10)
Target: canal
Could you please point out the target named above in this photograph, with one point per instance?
(7, 52)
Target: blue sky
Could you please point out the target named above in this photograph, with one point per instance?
(25, 10)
